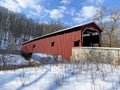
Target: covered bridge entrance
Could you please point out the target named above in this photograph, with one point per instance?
(90, 38)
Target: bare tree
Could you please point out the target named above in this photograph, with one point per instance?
(108, 20)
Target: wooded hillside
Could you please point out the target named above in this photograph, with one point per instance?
(16, 28)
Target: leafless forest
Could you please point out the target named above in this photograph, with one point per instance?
(16, 28)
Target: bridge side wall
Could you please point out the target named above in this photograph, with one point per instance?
(96, 54)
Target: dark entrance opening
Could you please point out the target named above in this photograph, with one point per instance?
(91, 38)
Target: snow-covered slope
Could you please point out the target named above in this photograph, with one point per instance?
(10, 59)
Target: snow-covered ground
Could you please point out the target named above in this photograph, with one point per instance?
(10, 59)
(49, 58)
(64, 76)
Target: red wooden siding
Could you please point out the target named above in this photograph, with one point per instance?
(63, 43)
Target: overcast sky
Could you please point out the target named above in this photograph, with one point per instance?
(70, 12)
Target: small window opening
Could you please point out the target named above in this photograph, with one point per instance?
(52, 44)
(33, 46)
(76, 43)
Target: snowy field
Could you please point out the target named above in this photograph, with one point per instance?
(64, 76)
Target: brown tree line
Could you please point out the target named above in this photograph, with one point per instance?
(16, 28)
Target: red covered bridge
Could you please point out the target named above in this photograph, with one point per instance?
(62, 41)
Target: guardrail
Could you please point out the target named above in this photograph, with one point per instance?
(7, 51)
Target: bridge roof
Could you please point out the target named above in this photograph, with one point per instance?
(66, 30)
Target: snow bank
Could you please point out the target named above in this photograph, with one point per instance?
(45, 57)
